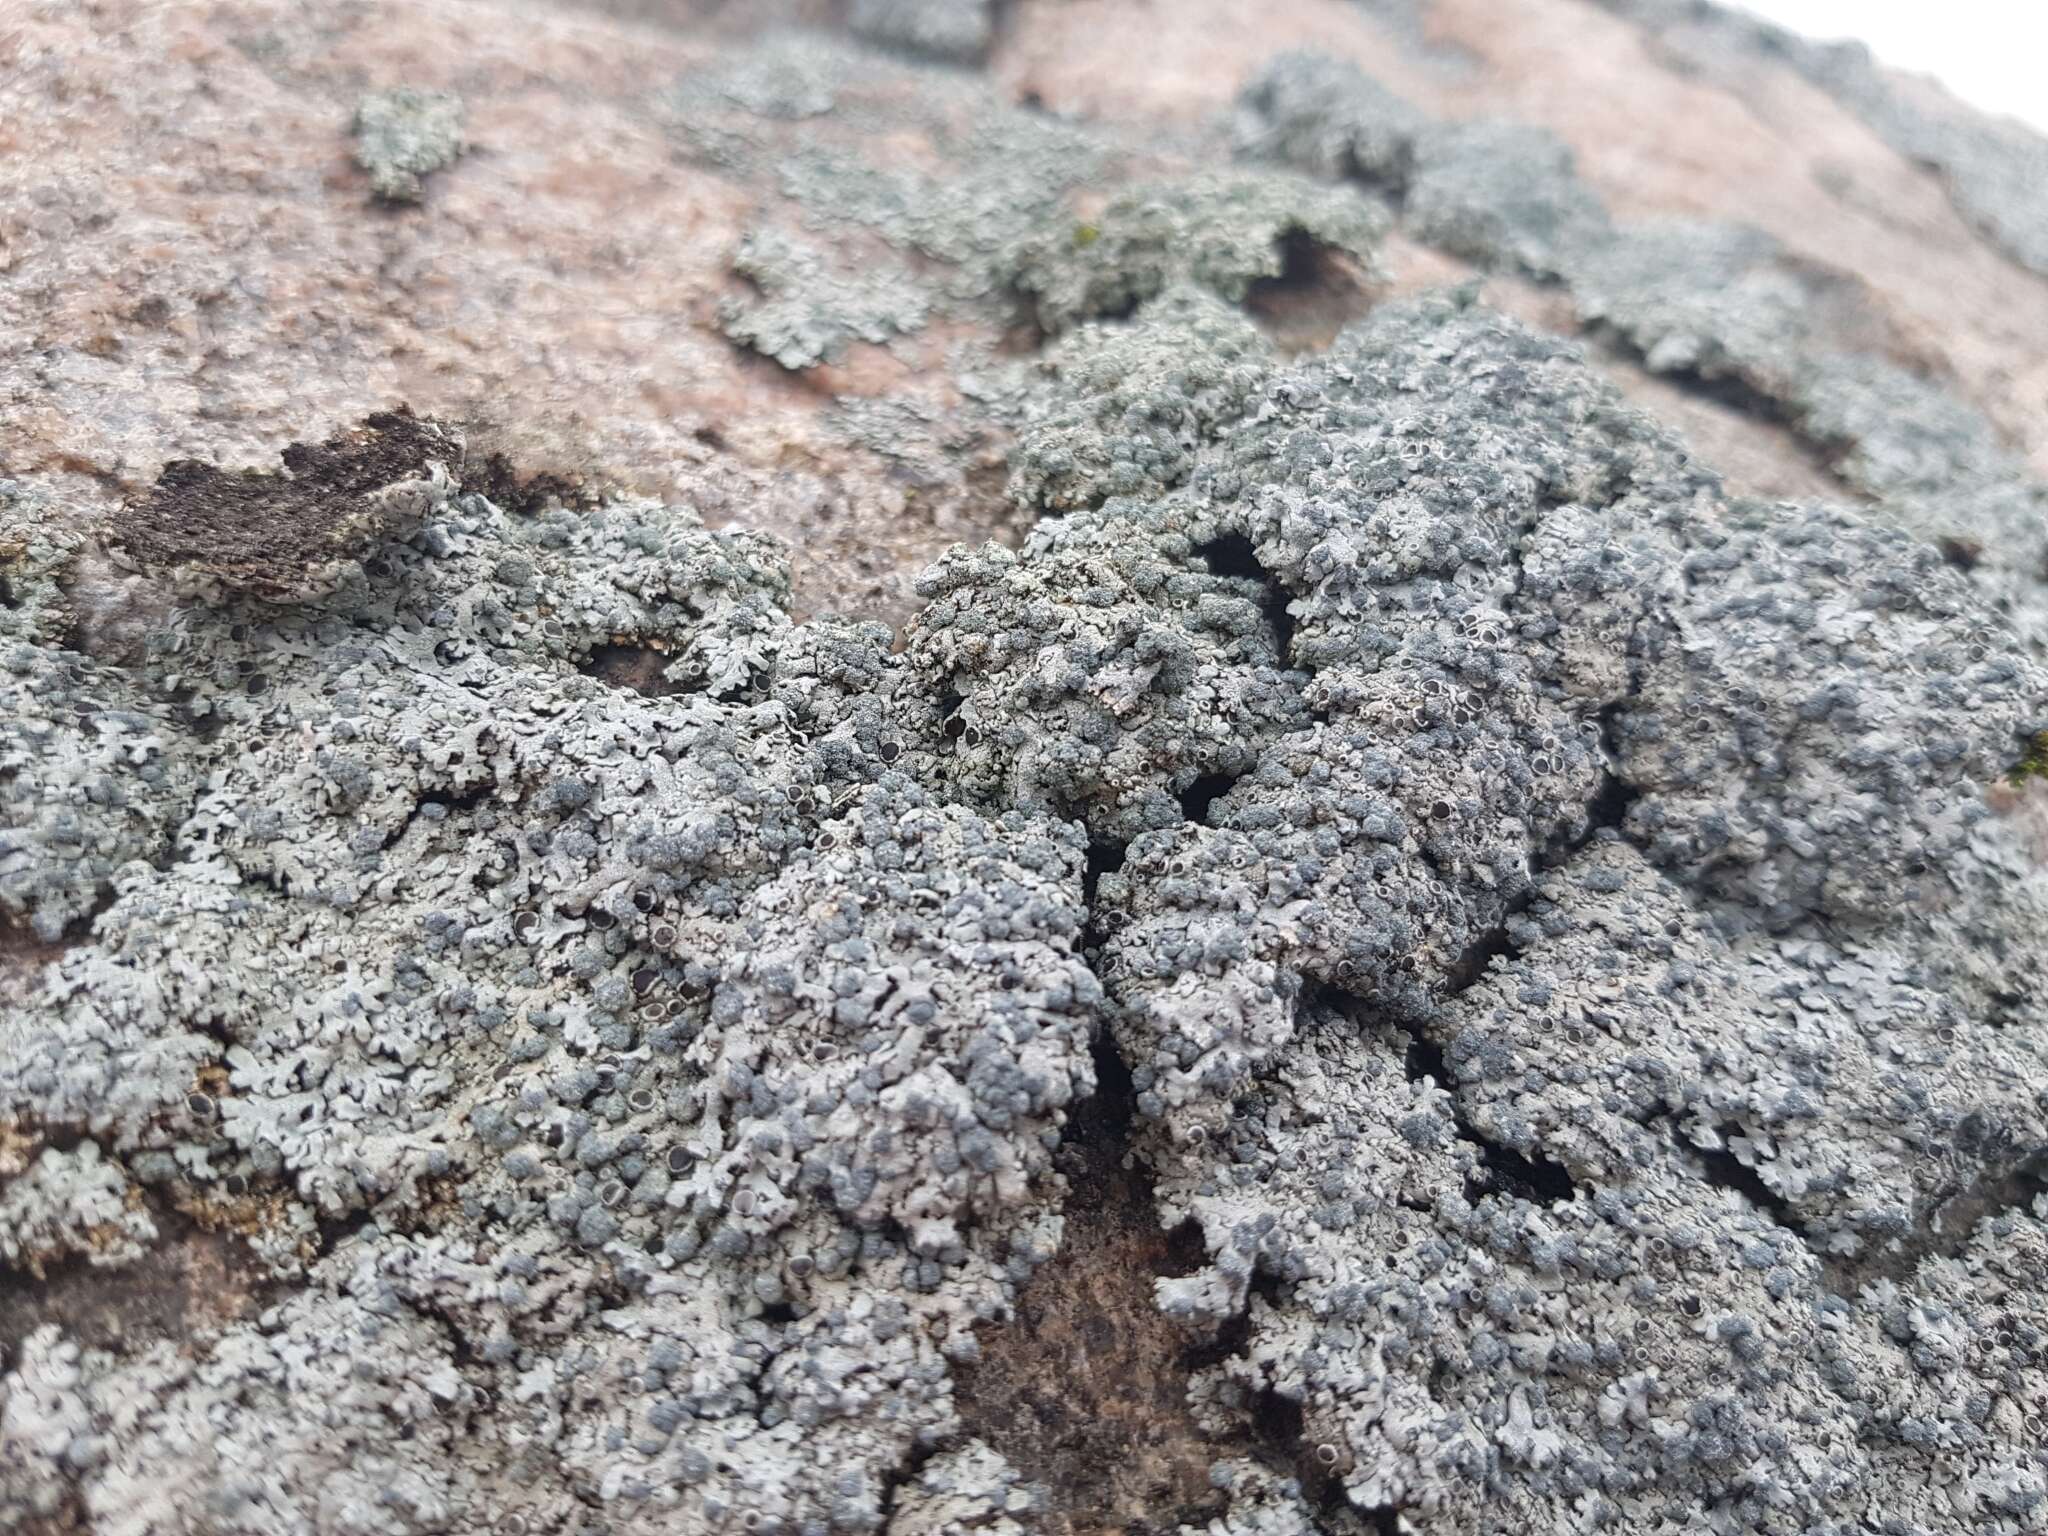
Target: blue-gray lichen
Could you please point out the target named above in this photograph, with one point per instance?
(955, 30)
(808, 314)
(88, 783)
(1575, 1006)
(1129, 403)
(691, 995)
(1722, 304)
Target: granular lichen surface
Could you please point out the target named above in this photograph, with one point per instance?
(1462, 974)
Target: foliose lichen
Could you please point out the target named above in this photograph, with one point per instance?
(1577, 1013)
(808, 314)
(1719, 303)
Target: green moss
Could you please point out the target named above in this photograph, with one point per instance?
(2034, 764)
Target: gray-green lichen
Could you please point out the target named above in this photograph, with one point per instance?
(956, 30)
(1721, 304)
(1222, 232)
(695, 986)
(1128, 402)
(1007, 177)
(403, 135)
(1577, 1007)
(87, 783)
(807, 313)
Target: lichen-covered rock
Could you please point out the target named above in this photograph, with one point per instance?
(956, 30)
(969, 1489)
(1003, 192)
(1717, 302)
(1494, 191)
(1100, 681)
(807, 315)
(1527, 621)
(684, 982)
(1223, 232)
(1995, 168)
(1131, 402)
(1487, 950)
(72, 1203)
(88, 783)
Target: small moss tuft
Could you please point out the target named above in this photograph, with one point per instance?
(2033, 764)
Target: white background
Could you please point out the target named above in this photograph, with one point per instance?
(1991, 53)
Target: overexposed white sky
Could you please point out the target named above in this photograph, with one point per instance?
(1991, 53)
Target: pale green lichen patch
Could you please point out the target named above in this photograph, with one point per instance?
(403, 135)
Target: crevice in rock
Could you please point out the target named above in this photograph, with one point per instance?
(1280, 1434)
(638, 667)
(1388, 179)
(1608, 810)
(1502, 1169)
(1473, 962)
(51, 1135)
(1104, 858)
(1945, 1229)
(194, 1280)
(465, 800)
(899, 1477)
(1423, 1057)
(20, 945)
(1027, 331)
(1727, 390)
(1535, 1179)
(1085, 1388)
(185, 705)
(1739, 397)
(460, 1352)
(1232, 554)
(1960, 552)
(1199, 796)
(336, 1230)
(1318, 292)
(503, 486)
(1724, 1170)
(1610, 807)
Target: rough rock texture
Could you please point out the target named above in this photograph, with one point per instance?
(1401, 954)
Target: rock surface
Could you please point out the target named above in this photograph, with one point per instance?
(978, 773)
